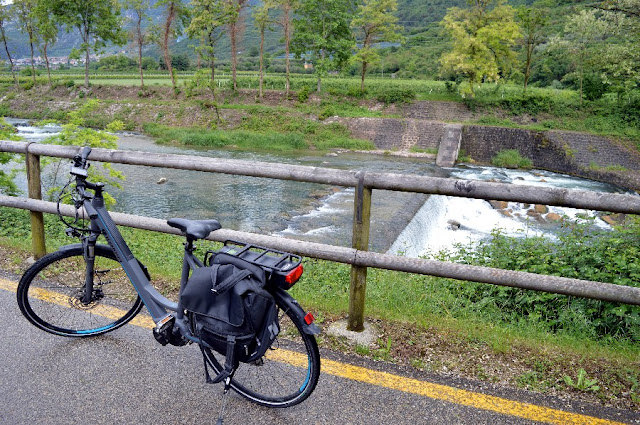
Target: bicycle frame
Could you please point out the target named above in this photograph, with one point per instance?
(159, 307)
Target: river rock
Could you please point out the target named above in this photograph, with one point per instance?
(499, 205)
(453, 224)
(506, 213)
(553, 217)
(609, 220)
(541, 209)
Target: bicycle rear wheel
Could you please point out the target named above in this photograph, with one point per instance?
(286, 375)
(50, 294)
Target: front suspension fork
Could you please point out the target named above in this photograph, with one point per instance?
(89, 254)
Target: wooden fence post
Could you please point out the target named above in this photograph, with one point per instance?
(35, 192)
(360, 241)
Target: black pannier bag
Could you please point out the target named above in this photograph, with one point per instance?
(233, 313)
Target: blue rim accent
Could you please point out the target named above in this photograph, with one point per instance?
(88, 331)
(306, 381)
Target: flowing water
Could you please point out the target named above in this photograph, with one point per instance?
(401, 222)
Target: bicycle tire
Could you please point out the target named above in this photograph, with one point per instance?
(286, 375)
(49, 294)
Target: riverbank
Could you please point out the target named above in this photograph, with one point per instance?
(240, 120)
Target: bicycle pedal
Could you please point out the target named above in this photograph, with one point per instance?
(162, 332)
(163, 324)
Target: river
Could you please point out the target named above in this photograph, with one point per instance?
(412, 224)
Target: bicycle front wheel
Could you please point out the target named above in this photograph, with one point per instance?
(288, 372)
(51, 294)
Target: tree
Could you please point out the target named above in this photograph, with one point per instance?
(287, 6)
(47, 28)
(4, 18)
(532, 22)
(322, 30)
(234, 22)
(97, 21)
(25, 13)
(140, 9)
(482, 41)
(176, 17)
(262, 20)
(620, 62)
(208, 17)
(581, 32)
(374, 23)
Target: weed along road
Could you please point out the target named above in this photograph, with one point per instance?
(127, 377)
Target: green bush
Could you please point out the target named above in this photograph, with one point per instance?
(395, 95)
(511, 158)
(580, 252)
(303, 94)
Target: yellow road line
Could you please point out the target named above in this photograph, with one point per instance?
(388, 380)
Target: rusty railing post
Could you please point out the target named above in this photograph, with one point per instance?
(360, 242)
(35, 192)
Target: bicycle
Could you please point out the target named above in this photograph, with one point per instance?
(88, 289)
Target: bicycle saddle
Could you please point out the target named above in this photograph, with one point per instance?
(194, 229)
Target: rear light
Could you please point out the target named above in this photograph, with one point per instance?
(308, 319)
(293, 276)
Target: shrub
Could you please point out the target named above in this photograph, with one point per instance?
(396, 95)
(511, 158)
(593, 87)
(580, 252)
(303, 94)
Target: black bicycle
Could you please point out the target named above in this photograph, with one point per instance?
(88, 289)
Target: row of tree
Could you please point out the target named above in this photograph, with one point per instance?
(326, 32)
(332, 33)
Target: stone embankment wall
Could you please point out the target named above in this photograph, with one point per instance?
(577, 154)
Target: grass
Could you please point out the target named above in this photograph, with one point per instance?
(280, 135)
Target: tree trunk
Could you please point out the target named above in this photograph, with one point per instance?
(86, 67)
(46, 60)
(33, 64)
(261, 60)
(233, 27)
(140, 42)
(6, 48)
(171, 12)
(287, 40)
(364, 71)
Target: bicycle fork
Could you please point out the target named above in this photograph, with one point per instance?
(89, 254)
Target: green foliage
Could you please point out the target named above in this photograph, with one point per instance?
(582, 383)
(580, 252)
(511, 158)
(7, 185)
(593, 87)
(482, 41)
(395, 95)
(303, 94)
(322, 34)
(263, 132)
(374, 22)
(74, 133)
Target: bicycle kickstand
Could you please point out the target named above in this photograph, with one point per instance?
(227, 385)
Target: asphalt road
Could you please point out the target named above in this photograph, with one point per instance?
(126, 377)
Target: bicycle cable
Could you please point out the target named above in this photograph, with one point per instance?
(72, 228)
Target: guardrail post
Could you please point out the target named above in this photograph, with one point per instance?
(35, 192)
(360, 241)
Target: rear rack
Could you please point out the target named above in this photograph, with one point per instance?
(278, 263)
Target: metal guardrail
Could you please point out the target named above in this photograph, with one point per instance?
(358, 255)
